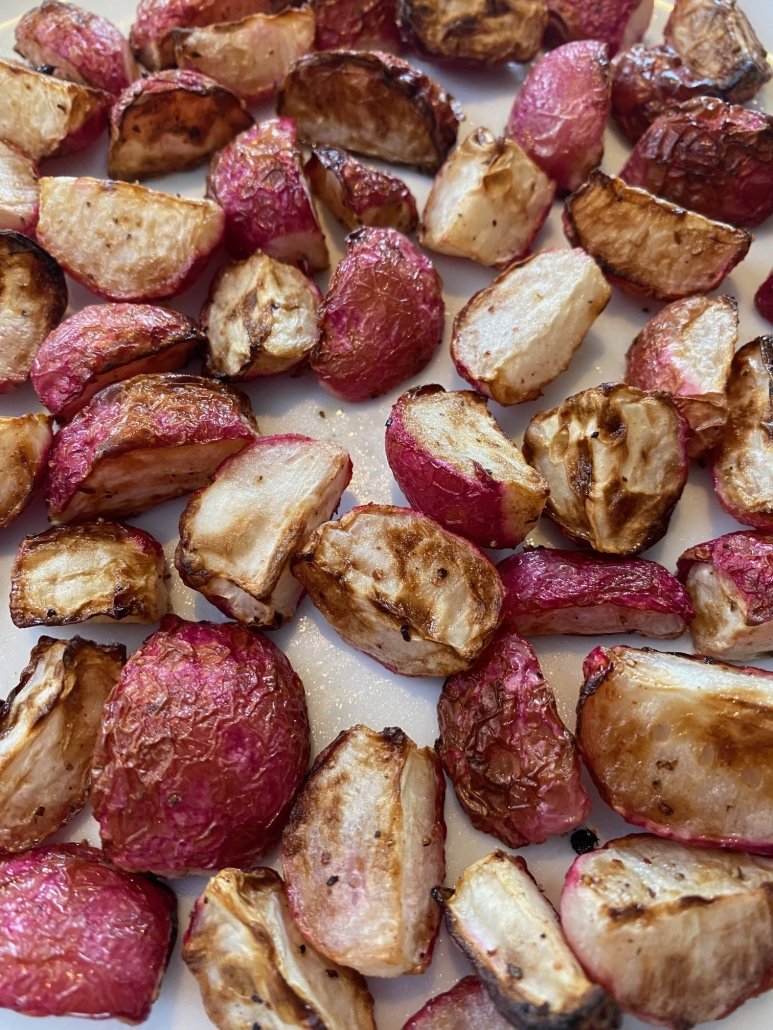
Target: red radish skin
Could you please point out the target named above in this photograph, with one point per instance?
(561, 111)
(205, 779)
(79, 937)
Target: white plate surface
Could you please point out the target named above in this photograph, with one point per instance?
(344, 687)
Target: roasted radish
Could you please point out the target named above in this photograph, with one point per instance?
(48, 729)
(687, 349)
(80, 938)
(144, 441)
(170, 122)
(512, 762)
(105, 343)
(33, 298)
(252, 963)
(474, 32)
(372, 103)
(696, 764)
(103, 571)
(19, 190)
(226, 52)
(467, 1006)
(453, 462)
(382, 319)
(716, 42)
(363, 849)
(354, 23)
(647, 245)
(358, 195)
(25, 444)
(488, 202)
(47, 117)
(730, 581)
(710, 157)
(76, 44)
(763, 299)
(260, 319)
(515, 336)
(676, 935)
(510, 932)
(152, 34)
(615, 459)
(125, 242)
(239, 535)
(619, 23)
(647, 82)
(561, 111)
(743, 460)
(258, 181)
(204, 742)
(394, 584)
(551, 591)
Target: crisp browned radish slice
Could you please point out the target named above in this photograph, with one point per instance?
(716, 42)
(396, 585)
(647, 245)
(371, 103)
(554, 591)
(488, 202)
(19, 190)
(33, 298)
(632, 447)
(254, 968)
(239, 535)
(48, 117)
(687, 349)
(144, 441)
(48, 729)
(363, 849)
(25, 443)
(169, 122)
(126, 242)
(358, 195)
(452, 461)
(510, 932)
(104, 571)
(474, 32)
(698, 735)
(730, 581)
(515, 336)
(677, 935)
(226, 52)
(152, 34)
(743, 460)
(260, 319)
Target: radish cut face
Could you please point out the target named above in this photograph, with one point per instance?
(251, 962)
(681, 716)
(515, 336)
(501, 920)
(373, 804)
(239, 534)
(677, 935)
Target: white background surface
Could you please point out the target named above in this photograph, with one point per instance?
(344, 687)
